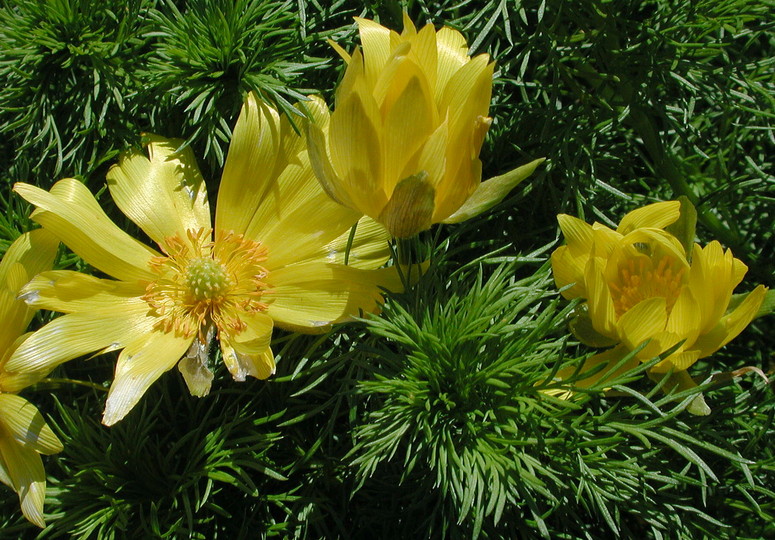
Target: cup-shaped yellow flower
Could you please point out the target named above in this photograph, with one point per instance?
(24, 434)
(642, 286)
(273, 256)
(411, 115)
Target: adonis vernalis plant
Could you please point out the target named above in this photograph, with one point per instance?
(651, 292)
(411, 115)
(24, 434)
(273, 257)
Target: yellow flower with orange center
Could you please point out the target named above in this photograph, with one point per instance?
(24, 434)
(274, 256)
(642, 285)
(411, 115)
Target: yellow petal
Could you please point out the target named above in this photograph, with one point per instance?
(408, 123)
(295, 219)
(164, 193)
(76, 334)
(260, 366)
(410, 208)
(26, 425)
(249, 172)
(28, 478)
(424, 52)
(320, 161)
(32, 252)
(68, 292)
(71, 213)
(684, 319)
(369, 248)
(468, 94)
(677, 361)
(730, 326)
(13, 382)
(641, 322)
(356, 152)
(255, 338)
(310, 297)
(657, 216)
(452, 55)
(568, 269)
(375, 40)
(599, 301)
(492, 191)
(713, 277)
(139, 365)
(577, 233)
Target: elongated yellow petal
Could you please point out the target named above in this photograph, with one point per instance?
(255, 338)
(13, 382)
(163, 193)
(452, 55)
(369, 248)
(643, 321)
(491, 192)
(250, 165)
(68, 292)
(296, 218)
(310, 297)
(468, 94)
(375, 40)
(260, 366)
(139, 365)
(76, 334)
(320, 161)
(600, 303)
(28, 478)
(356, 153)
(713, 277)
(70, 212)
(424, 51)
(568, 269)
(26, 425)
(677, 361)
(684, 318)
(657, 216)
(408, 123)
(730, 326)
(577, 233)
(32, 252)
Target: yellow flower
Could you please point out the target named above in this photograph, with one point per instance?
(273, 256)
(24, 434)
(641, 285)
(403, 144)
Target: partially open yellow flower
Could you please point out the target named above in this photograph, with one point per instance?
(273, 256)
(403, 144)
(641, 285)
(24, 434)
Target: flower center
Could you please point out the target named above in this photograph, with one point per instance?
(639, 279)
(206, 279)
(203, 283)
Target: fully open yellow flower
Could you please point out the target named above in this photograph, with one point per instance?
(403, 144)
(24, 434)
(273, 256)
(641, 285)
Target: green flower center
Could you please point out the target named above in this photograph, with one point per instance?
(206, 278)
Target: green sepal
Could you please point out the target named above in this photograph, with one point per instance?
(492, 191)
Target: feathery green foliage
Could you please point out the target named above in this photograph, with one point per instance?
(430, 420)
